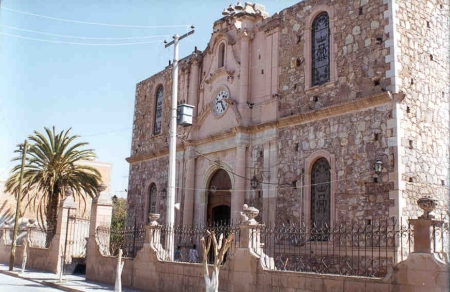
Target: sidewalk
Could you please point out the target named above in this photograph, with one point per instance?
(72, 283)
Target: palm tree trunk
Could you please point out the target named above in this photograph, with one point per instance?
(52, 215)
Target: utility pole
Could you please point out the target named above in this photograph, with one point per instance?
(16, 220)
(170, 220)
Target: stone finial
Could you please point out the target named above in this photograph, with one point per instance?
(248, 215)
(101, 188)
(427, 204)
(68, 192)
(153, 219)
(102, 197)
(31, 223)
(68, 202)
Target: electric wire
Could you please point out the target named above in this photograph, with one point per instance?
(92, 23)
(81, 37)
(107, 132)
(80, 44)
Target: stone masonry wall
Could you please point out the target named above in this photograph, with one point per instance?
(143, 140)
(424, 54)
(142, 174)
(351, 138)
(358, 47)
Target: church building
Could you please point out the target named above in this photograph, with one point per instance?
(325, 112)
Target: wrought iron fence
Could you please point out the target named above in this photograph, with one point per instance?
(129, 239)
(37, 237)
(348, 248)
(187, 238)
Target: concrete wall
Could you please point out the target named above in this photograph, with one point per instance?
(42, 259)
(246, 271)
(243, 272)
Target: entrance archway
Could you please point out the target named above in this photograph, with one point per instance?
(219, 198)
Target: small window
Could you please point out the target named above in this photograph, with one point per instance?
(221, 55)
(152, 199)
(321, 192)
(320, 49)
(159, 96)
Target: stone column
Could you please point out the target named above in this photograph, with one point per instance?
(423, 235)
(101, 213)
(153, 237)
(244, 73)
(188, 209)
(194, 84)
(238, 196)
(59, 240)
(422, 270)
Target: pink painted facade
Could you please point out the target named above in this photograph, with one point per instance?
(268, 132)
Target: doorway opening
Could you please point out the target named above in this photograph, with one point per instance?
(219, 198)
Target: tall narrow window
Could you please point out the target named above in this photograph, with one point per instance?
(152, 199)
(221, 55)
(320, 192)
(320, 49)
(158, 110)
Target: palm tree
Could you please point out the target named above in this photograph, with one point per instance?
(54, 165)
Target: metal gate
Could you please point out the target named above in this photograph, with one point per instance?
(75, 244)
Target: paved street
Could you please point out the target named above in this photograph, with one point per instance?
(14, 284)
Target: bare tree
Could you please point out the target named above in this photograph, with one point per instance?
(219, 250)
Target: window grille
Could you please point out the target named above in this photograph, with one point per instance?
(158, 110)
(320, 49)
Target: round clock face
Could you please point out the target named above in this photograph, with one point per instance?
(220, 105)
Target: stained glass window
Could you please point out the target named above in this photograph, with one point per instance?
(158, 110)
(320, 49)
(320, 192)
(152, 199)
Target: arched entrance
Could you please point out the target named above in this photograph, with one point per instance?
(219, 198)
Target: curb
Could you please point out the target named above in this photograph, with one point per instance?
(60, 287)
(45, 283)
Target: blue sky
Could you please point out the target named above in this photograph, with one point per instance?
(90, 88)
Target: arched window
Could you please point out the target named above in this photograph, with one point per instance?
(321, 192)
(221, 55)
(320, 36)
(159, 96)
(152, 199)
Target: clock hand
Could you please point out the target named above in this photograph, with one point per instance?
(221, 102)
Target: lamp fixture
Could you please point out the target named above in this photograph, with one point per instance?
(378, 166)
(163, 193)
(254, 182)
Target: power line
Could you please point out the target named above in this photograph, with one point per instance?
(92, 23)
(108, 132)
(77, 43)
(83, 38)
